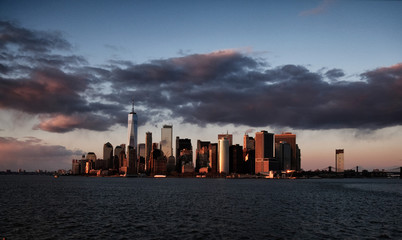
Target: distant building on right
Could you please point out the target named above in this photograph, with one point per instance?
(339, 160)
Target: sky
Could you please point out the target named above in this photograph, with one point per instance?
(329, 71)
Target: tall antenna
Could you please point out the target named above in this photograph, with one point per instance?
(132, 102)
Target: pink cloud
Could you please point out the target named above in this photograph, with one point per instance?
(32, 153)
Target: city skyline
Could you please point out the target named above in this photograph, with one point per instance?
(328, 71)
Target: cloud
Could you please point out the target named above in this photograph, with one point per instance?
(29, 40)
(321, 8)
(32, 153)
(228, 87)
(334, 74)
(63, 123)
(222, 87)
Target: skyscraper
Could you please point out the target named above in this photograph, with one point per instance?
(223, 146)
(291, 140)
(236, 162)
(166, 144)
(202, 154)
(339, 160)
(283, 154)
(148, 148)
(228, 136)
(213, 157)
(108, 154)
(184, 153)
(132, 128)
(248, 142)
(264, 150)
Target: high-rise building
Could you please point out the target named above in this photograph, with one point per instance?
(228, 136)
(223, 146)
(283, 154)
(132, 164)
(166, 143)
(108, 154)
(141, 150)
(213, 157)
(184, 153)
(248, 142)
(148, 148)
(264, 151)
(202, 155)
(157, 162)
(291, 140)
(132, 128)
(236, 162)
(339, 160)
(117, 153)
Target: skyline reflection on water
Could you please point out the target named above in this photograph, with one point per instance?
(42, 207)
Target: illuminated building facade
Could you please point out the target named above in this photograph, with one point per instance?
(213, 157)
(223, 160)
(166, 144)
(202, 155)
(248, 142)
(339, 160)
(264, 151)
(229, 137)
(184, 153)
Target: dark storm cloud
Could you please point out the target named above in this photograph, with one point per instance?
(228, 87)
(32, 153)
(223, 87)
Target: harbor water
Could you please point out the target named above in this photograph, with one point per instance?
(70, 207)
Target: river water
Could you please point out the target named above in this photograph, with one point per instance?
(43, 207)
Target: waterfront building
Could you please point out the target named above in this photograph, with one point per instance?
(108, 154)
(228, 136)
(117, 153)
(291, 140)
(148, 148)
(183, 156)
(283, 153)
(76, 167)
(132, 128)
(339, 160)
(141, 157)
(223, 160)
(213, 157)
(264, 151)
(91, 156)
(248, 142)
(141, 150)
(158, 162)
(100, 164)
(171, 164)
(298, 158)
(236, 162)
(249, 160)
(166, 144)
(202, 155)
(132, 167)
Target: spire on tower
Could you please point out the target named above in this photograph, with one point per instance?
(132, 106)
